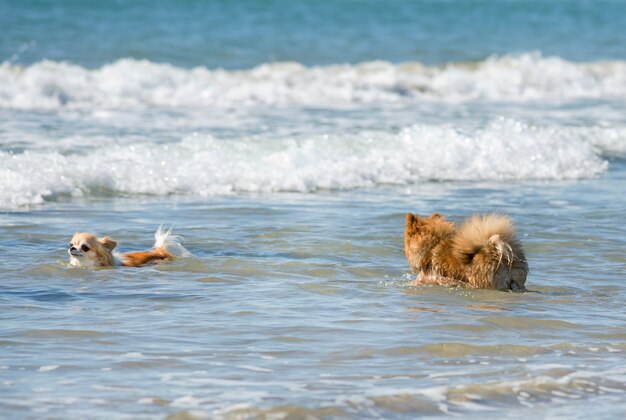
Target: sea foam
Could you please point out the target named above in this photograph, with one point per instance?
(203, 165)
(130, 83)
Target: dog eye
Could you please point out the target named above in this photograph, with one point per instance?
(84, 248)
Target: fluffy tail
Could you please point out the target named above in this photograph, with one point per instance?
(493, 257)
(165, 242)
(488, 240)
(166, 247)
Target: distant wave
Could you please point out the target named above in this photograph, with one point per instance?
(202, 165)
(130, 83)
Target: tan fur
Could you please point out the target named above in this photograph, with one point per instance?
(483, 252)
(100, 253)
(136, 259)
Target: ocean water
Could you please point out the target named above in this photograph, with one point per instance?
(285, 141)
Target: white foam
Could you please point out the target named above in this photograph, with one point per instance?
(254, 368)
(202, 165)
(146, 400)
(130, 83)
(48, 368)
(132, 355)
(611, 142)
(186, 401)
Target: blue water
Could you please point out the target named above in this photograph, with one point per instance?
(285, 141)
(242, 34)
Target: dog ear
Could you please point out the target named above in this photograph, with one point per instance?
(108, 243)
(435, 216)
(413, 223)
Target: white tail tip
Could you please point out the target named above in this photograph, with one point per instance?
(171, 243)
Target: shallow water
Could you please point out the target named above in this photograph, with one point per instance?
(285, 141)
(302, 304)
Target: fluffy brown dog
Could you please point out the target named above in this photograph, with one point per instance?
(87, 250)
(481, 253)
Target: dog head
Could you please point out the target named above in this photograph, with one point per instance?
(86, 250)
(421, 235)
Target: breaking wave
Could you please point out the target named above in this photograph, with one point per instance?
(504, 149)
(130, 83)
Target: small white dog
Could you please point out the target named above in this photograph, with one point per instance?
(87, 250)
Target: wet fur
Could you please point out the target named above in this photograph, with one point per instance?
(100, 253)
(482, 253)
